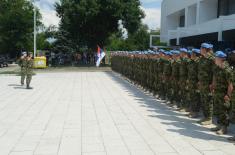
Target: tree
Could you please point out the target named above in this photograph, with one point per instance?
(16, 26)
(44, 37)
(138, 40)
(63, 43)
(92, 22)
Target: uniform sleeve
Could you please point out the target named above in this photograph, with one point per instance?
(229, 76)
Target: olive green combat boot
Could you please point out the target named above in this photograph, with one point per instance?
(232, 119)
(222, 131)
(182, 109)
(231, 139)
(217, 128)
(207, 121)
(193, 115)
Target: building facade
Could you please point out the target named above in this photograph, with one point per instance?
(191, 22)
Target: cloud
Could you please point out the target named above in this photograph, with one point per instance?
(151, 3)
(153, 17)
(50, 18)
(48, 12)
(150, 7)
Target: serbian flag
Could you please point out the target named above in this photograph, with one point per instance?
(100, 55)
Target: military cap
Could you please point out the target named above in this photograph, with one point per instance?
(161, 50)
(184, 50)
(207, 46)
(167, 53)
(176, 52)
(189, 52)
(220, 54)
(197, 51)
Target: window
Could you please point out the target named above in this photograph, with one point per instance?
(182, 21)
(226, 7)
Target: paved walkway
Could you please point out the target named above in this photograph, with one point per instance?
(95, 113)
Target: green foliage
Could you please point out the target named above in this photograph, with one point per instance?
(135, 41)
(157, 41)
(92, 22)
(43, 36)
(16, 26)
(63, 43)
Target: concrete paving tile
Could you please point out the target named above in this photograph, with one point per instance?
(95, 113)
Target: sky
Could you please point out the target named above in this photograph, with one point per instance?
(152, 9)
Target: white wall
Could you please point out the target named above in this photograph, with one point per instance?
(207, 19)
(178, 5)
(208, 10)
(192, 14)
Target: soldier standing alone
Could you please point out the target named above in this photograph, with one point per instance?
(22, 64)
(29, 70)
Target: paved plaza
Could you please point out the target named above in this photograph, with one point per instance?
(95, 113)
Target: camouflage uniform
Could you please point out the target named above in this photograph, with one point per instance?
(22, 64)
(155, 76)
(175, 81)
(167, 78)
(183, 81)
(194, 96)
(222, 77)
(29, 71)
(205, 76)
(233, 98)
(162, 92)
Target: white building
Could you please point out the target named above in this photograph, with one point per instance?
(191, 22)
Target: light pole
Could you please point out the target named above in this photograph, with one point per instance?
(35, 33)
(35, 29)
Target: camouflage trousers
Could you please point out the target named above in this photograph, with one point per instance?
(183, 94)
(223, 109)
(194, 101)
(162, 89)
(233, 105)
(28, 79)
(168, 89)
(193, 97)
(22, 79)
(155, 85)
(206, 103)
(23, 75)
(175, 92)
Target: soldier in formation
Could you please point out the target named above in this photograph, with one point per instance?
(191, 80)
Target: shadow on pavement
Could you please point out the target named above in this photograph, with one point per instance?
(14, 85)
(19, 87)
(181, 124)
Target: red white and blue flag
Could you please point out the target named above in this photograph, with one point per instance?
(100, 55)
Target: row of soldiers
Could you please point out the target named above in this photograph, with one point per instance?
(26, 64)
(192, 80)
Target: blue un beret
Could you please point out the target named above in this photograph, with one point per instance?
(207, 46)
(220, 54)
(161, 50)
(197, 51)
(176, 52)
(169, 53)
(184, 50)
(189, 52)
